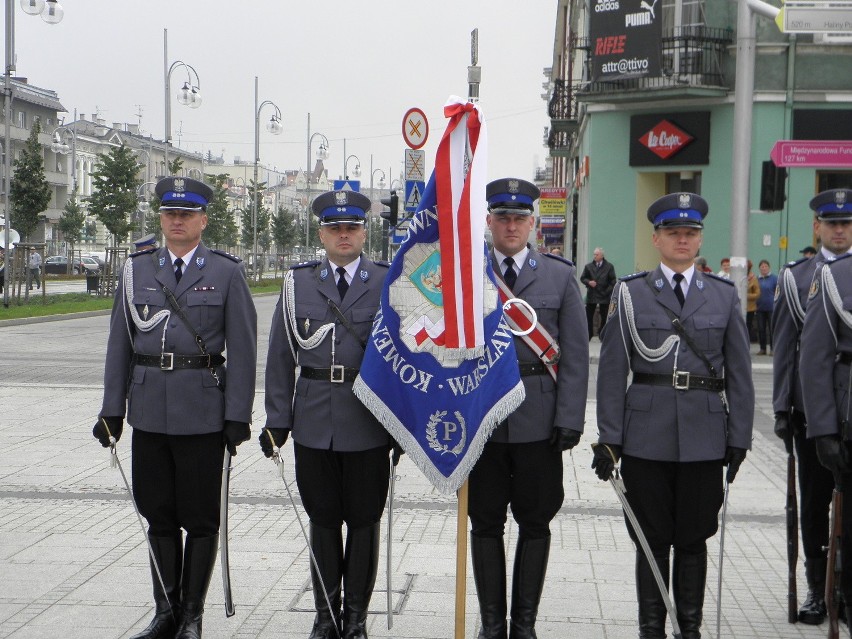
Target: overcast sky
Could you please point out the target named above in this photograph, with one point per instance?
(356, 67)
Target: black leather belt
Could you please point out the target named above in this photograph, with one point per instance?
(844, 358)
(532, 368)
(171, 362)
(681, 380)
(337, 374)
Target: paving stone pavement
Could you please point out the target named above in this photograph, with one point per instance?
(73, 561)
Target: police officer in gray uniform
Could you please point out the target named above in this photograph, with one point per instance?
(522, 461)
(320, 325)
(826, 355)
(185, 407)
(815, 481)
(688, 411)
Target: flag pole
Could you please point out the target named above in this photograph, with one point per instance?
(473, 78)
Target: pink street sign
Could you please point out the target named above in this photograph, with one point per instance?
(814, 153)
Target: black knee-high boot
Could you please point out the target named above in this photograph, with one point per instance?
(652, 606)
(327, 544)
(527, 584)
(690, 575)
(199, 557)
(168, 552)
(360, 565)
(489, 573)
(813, 611)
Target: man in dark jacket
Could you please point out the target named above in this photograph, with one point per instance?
(599, 278)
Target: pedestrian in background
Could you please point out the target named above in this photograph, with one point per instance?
(808, 251)
(687, 413)
(701, 265)
(768, 282)
(752, 293)
(35, 268)
(171, 305)
(521, 465)
(321, 323)
(599, 278)
(833, 226)
(725, 271)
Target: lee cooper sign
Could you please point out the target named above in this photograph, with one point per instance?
(670, 139)
(625, 37)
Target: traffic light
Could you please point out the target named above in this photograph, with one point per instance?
(772, 181)
(393, 203)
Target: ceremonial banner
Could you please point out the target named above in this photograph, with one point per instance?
(440, 369)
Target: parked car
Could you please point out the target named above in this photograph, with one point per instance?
(58, 265)
(91, 264)
(97, 259)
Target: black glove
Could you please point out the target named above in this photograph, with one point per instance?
(603, 461)
(783, 430)
(832, 454)
(234, 434)
(115, 425)
(565, 438)
(278, 434)
(733, 458)
(397, 453)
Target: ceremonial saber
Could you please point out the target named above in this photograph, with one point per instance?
(223, 535)
(276, 457)
(390, 542)
(115, 462)
(721, 559)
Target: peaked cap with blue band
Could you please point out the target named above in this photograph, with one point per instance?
(833, 205)
(183, 193)
(511, 195)
(145, 242)
(341, 207)
(678, 209)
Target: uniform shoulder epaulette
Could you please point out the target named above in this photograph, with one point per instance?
(145, 252)
(382, 263)
(801, 260)
(559, 257)
(838, 258)
(233, 258)
(632, 276)
(293, 267)
(719, 278)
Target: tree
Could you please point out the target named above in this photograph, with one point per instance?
(30, 192)
(218, 215)
(263, 216)
(114, 186)
(175, 166)
(72, 222)
(284, 230)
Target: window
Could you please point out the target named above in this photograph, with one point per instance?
(692, 13)
(22, 119)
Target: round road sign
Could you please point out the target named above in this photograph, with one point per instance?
(415, 128)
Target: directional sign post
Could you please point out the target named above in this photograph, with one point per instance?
(812, 153)
(815, 16)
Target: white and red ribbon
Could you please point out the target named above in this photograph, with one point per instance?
(460, 173)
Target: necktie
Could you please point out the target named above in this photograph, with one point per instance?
(510, 276)
(178, 269)
(342, 284)
(678, 291)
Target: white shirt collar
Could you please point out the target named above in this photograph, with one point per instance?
(829, 256)
(687, 277)
(350, 268)
(520, 258)
(186, 258)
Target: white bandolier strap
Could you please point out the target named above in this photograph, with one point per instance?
(142, 325)
(833, 294)
(791, 292)
(288, 307)
(649, 354)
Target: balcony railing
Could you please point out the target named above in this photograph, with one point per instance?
(690, 57)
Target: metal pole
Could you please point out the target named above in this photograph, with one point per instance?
(254, 194)
(7, 144)
(308, 181)
(741, 162)
(168, 104)
(74, 156)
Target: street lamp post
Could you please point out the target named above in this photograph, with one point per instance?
(322, 154)
(274, 127)
(189, 94)
(356, 172)
(51, 12)
(382, 183)
(142, 205)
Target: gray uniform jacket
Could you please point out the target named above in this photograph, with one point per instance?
(549, 285)
(826, 384)
(660, 422)
(323, 414)
(216, 300)
(787, 319)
